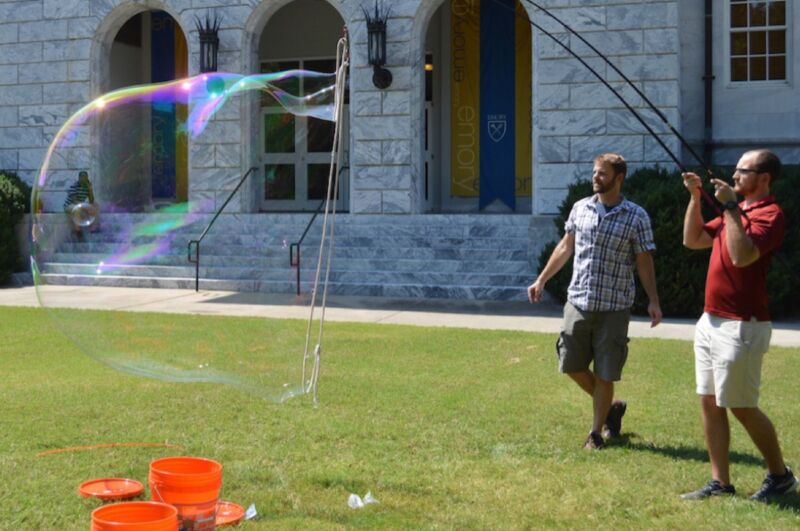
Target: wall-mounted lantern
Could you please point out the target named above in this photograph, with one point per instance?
(376, 33)
(209, 43)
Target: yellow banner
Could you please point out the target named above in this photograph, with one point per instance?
(465, 97)
(182, 112)
(522, 114)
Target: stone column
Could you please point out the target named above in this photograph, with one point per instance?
(382, 176)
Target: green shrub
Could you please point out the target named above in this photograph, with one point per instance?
(783, 280)
(15, 199)
(681, 272)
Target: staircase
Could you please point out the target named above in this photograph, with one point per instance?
(451, 256)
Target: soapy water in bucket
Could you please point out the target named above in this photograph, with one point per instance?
(147, 150)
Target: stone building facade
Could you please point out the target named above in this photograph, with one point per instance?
(56, 55)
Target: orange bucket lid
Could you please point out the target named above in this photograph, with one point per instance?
(111, 488)
(228, 513)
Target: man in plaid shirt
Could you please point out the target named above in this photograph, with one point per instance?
(609, 235)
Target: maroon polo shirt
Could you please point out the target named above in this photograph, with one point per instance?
(741, 292)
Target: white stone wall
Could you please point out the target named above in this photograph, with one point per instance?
(575, 116)
(51, 62)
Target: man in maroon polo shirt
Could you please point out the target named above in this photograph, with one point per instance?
(733, 333)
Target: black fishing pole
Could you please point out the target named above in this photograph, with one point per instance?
(616, 93)
(627, 80)
(706, 196)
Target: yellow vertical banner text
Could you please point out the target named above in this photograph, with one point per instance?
(465, 97)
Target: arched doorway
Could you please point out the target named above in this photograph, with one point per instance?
(477, 115)
(149, 47)
(293, 152)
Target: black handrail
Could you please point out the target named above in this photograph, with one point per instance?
(294, 258)
(196, 260)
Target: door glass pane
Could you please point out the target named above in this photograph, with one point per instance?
(278, 133)
(322, 65)
(320, 135)
(290, 84)
(318, 181)
(279, 181)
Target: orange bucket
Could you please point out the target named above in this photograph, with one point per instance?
(192, 485)
(135, 516)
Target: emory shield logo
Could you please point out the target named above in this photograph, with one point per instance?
(497, 129)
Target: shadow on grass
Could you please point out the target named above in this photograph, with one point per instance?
(687, 453)
(787, 502)
(432, 305)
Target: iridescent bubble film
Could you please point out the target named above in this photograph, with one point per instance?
(129, 228)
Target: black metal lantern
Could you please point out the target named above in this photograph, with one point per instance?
(376, 33)
(209, 43)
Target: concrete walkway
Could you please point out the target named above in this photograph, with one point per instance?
(544, 317)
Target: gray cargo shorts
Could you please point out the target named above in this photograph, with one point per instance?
(601, 337)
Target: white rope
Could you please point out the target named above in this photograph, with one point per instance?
(342, 63)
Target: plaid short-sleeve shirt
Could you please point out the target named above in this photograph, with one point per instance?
(605, 249)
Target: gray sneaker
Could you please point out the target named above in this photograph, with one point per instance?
(775, 486)
(714, 488)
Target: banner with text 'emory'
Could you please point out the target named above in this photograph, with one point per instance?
(490, 101)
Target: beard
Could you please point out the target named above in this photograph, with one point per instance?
(600, 188)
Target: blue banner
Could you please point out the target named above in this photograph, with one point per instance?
(497, 98)
(163, 118)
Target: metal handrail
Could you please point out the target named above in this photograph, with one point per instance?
(294, 257)
(196, 242)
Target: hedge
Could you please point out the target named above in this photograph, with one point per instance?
(15, 200)
(681, 272)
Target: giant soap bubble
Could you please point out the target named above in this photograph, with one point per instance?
(122, 229)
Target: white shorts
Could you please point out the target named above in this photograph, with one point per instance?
(728, 356)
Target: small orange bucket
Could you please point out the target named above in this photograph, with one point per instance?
(135, 516)
(192, 485)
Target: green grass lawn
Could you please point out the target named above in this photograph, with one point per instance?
(448, 428)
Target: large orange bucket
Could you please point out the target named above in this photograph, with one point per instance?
(192, 485)
(135, 516)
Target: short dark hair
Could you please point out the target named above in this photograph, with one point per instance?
(617, 162)
(768, 162)
(83, 173)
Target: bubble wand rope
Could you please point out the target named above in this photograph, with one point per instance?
(342, 64)
(616, 93)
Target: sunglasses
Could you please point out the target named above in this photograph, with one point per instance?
(747, 170)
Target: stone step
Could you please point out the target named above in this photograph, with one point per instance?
(240, 246)
(281, 260)
(499, 293)
(432, 256)
(340, 276)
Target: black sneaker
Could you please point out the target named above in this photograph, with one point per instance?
(614, 418)
(714, 488)
(594, 441)
(775, 486)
